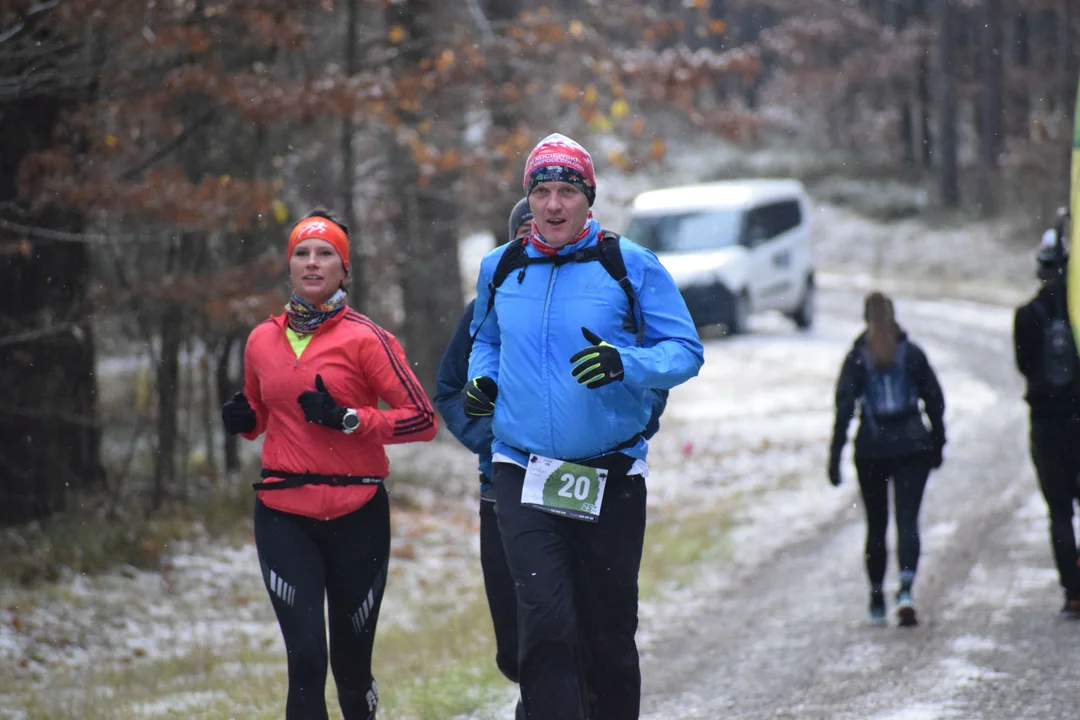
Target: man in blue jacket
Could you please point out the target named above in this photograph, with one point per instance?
(475, 434)
(565, 361)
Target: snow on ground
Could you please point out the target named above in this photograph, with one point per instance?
(986, 591)
(209, 596)
(748, 435)
(987, 261)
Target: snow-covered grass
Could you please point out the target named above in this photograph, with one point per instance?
(987, 261)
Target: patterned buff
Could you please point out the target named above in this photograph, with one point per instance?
(305, 319)
(537, 240)
(557, 158)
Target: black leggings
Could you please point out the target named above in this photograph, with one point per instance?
(908, 475)
(342, 561)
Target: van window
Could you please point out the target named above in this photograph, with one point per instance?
(695, 231)
(768, 221)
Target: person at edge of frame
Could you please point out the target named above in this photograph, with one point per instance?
(1046, 356)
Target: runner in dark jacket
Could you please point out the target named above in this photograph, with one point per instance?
(1055, 416)
(476, 435)
(884, 367)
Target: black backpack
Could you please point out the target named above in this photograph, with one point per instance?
(890, 391)
(1059, 359)
(606, 251)
(1059, 366)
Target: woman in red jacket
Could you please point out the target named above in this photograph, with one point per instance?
(313, 378)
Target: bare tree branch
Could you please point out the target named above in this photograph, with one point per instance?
(44, 332)
(482, 21)
(61, 236)
(168, 147)
(34, 10)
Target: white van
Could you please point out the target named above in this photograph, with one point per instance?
(733, 248)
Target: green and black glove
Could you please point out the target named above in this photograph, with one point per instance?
(478, 397)
(597, 365)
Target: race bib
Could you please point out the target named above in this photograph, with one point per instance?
(564, 488)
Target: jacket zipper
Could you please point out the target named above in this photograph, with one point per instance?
(543, 356)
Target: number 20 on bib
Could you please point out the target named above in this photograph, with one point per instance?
(564, 488)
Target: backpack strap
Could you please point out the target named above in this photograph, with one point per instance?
(606, 251)
(612, 260)
(512, 258)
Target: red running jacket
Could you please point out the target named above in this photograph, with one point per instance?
(360, 364)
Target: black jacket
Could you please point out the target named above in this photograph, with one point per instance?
(896, 437)
(1046, 401)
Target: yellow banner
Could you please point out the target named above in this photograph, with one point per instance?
(1074, 226)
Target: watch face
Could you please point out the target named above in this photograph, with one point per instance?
(351, 421)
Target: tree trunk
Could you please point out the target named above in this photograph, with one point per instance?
(891, 14)
(907, 135)
(168, 385)
(348, 171)
(1020, 104)
(505, 117)
(1067, 54)
(947, 140)
(429, 271)
(923, 90)
(48, 407)
(992, 108)
(225, 390)
(207, 409)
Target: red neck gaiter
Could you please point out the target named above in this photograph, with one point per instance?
(537, 240)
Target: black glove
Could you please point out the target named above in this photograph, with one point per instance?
(834, 470)
(937, 455)
(320, 408)
(479, 396)
(237, 415)
(597, 365)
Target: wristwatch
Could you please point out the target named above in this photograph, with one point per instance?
(350, 421)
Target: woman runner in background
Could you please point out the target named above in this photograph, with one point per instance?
(888, 375)
(313, 378)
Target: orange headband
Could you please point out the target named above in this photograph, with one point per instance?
(323, 229)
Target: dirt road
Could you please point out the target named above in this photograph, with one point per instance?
(785, 636)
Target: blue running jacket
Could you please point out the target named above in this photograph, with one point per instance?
(526, 342)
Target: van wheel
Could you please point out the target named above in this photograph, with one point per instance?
(804, 316)
(740, 315)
